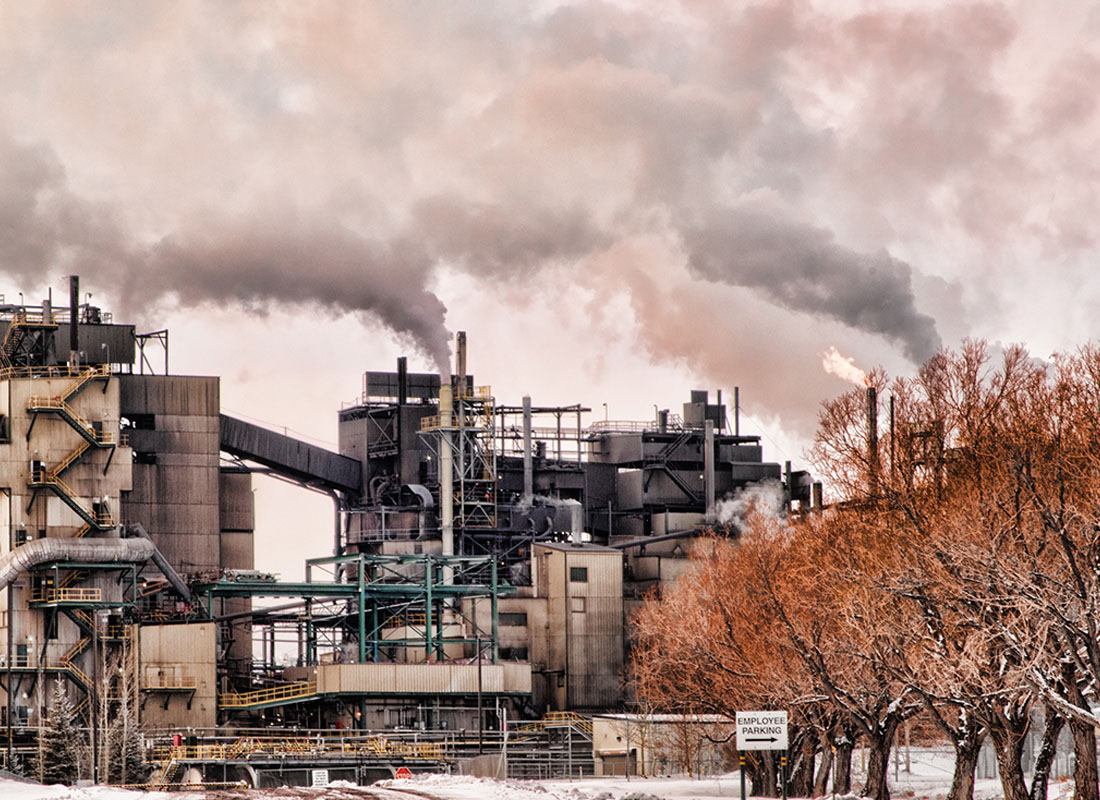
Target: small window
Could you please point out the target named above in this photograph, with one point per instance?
(578, 574)
(513, 653)
(139, 422)
(144, 458)
(512, 619)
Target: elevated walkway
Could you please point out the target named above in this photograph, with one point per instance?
(290, 457)
(27, 338)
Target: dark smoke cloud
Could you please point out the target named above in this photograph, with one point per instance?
(823, 160)
(283, 257)
(802, 268)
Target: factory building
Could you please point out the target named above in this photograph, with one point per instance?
(481, 564)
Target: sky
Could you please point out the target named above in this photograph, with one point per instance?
(617, 201)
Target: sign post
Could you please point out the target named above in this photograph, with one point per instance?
(762, 730)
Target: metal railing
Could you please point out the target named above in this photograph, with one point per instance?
(572, 718)
(276, 694)
(50, 594)
(301, 746)
(64, 371)
(165, 683)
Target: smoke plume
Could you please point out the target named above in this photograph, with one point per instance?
(843, 367)
(765, 497)
(811, 167)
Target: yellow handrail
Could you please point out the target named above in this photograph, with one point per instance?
(41, 477)
(67, 595)
(302, 746)
(288, 692)
(163, 682)
(75, 650)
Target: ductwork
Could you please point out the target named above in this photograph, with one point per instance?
(42, 551)
(166, 569)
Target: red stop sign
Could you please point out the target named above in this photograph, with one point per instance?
(403, 772)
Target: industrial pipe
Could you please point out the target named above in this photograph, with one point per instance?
(91, 551)
(166, 569)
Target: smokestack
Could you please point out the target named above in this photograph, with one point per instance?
(708, 467)
(736, 410)
(817, 495)
(74, 320)
(872, 441)
(402, 381)
(528, 471)
(460, 362)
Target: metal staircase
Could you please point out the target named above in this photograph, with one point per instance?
(98, 517)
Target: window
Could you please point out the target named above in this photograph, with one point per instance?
(513, 653)
(139, 422)
(578, 574)
(513, 619)
(144, 458)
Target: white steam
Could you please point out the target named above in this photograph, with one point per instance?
(766, 497)
(843, 367)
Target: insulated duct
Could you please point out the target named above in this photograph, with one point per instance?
(42, 551)
(166, 569)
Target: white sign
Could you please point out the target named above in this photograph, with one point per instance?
(320, 778)
(761, 730)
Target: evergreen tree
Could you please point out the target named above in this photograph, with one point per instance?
(126, 759)
(61, 743)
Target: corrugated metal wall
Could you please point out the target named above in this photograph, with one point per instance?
(176, 498)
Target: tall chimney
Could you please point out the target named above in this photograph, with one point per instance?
(74, 320)
(736, 410)
(528, 470)
(460, 362)
(872, 441)
(402, 381)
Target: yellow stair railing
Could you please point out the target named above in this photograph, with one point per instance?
(71, 458)
(76, 649)
(98, 371)
(275, 694)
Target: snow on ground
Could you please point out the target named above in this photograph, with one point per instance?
(929, 779)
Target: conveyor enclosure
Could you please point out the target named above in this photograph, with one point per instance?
(293, 458)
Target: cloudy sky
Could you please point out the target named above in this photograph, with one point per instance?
(618, 201)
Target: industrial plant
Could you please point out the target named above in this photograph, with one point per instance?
(471, 592)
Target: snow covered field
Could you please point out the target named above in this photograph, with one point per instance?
(930, 778)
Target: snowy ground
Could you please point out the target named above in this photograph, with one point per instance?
(930, 778)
